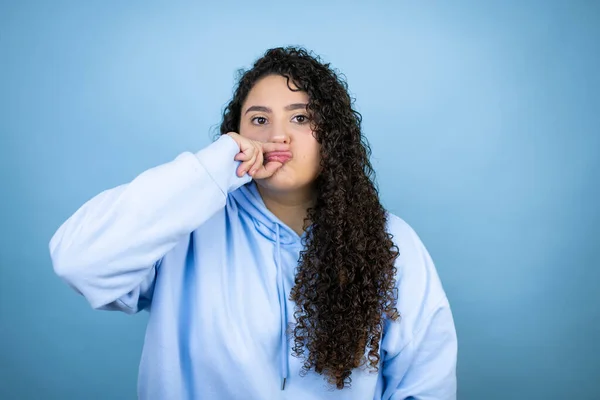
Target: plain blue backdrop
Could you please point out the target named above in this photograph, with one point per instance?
(484, 123)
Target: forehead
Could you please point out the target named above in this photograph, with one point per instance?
(274, 90)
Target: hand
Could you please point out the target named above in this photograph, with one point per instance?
(251, 155)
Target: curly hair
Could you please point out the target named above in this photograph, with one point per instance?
(345, 279)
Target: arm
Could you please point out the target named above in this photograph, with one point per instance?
(420, 349)
(110, 248)
(425, 368)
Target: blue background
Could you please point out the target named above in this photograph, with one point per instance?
(484, 123)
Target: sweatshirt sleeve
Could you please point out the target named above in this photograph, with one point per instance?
(110, 248)
(420, 349)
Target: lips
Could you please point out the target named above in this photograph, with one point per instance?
(279, 156)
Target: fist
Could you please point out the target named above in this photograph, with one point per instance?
(252, 156)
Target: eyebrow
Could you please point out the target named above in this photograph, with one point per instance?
(291, 107)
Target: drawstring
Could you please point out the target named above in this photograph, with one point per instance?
(249, 199)
(282, 309)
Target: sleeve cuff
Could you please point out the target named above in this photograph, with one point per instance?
(218, 160)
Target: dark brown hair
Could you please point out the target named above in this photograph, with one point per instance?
(345, 280)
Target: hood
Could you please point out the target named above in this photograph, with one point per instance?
(249, 199)
(268, 225)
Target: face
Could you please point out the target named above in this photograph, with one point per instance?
(274, 113)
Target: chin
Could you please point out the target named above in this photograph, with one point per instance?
(281, 181)
(277, 183)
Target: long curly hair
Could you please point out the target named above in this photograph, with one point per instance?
(345, 280)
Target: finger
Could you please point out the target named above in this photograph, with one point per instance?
(257, 164)
(267, 170)
(241, 157)
(246, 165)
(250, 163)
(270, 146)
(246, 157)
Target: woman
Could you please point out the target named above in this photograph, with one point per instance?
(267, 243)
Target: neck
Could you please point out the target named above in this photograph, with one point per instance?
(290, 207)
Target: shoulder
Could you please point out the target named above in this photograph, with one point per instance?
(413, 253)
(403, 234)
(420, 291)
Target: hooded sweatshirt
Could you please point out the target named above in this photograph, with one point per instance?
(194, 245)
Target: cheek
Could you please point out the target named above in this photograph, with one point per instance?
(249, 131)
(250, 135)
(315, 151)
(311, 157)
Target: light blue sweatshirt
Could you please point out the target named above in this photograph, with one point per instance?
(194, 245)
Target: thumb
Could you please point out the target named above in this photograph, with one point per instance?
(267, 170)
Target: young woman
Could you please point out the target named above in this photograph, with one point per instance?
(268, 265)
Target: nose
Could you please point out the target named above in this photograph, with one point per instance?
(279, 135)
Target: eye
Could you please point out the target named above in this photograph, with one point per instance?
(259, 120)
(301, 119)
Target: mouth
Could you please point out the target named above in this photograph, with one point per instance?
(279, 156)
